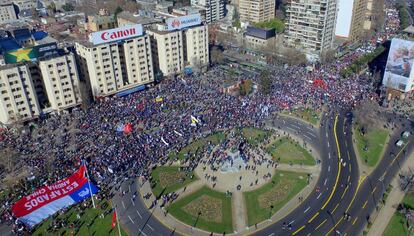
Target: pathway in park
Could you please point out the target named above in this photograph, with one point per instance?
(239, 211)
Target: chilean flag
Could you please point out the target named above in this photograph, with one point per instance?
(113, 220)
(46, 201)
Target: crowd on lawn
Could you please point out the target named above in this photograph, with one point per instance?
(162, 121)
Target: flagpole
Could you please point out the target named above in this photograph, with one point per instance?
(89, 184)
(117, 222)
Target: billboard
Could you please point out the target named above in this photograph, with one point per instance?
(177, 23)
(116, 34)
(46, 201)
(29, 53)
(398, 71)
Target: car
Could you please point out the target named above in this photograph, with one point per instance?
(405, 134)
(399, 143)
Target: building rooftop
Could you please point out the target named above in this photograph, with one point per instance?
(138, 19)
(98, 19)
(260, 33)
(409, 29)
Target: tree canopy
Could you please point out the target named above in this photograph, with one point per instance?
(275, 23)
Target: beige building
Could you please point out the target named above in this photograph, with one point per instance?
(310, 25)
(61, 80)
(18, 98)
(117, 66)
(196, 42)
(100, 22)
(7, 11)
(256, 10)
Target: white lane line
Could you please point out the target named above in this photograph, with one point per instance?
(131, 219)
(326, 180)
(328, 144)
(312, 134)
(142, 232)
(133, 203)
(149, 226)
(290, 128)
(272, 234)
(329, 155)
(292, 222)
(319, 195)
(326, 134)
(295, 126)
(307, 137)
(307, 209)
(329, 168)
(140, 216)
(129, 188)
(123, 204)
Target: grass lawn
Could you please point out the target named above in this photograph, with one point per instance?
(254, 136)
(306, 114)
(170, 178)
(374, 140)
(285, 187)
(91, 216)
(199, 144)
(289, 151)
(397, 224)
(215, 208)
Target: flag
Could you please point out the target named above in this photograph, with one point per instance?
(194, 121)
(113, 220)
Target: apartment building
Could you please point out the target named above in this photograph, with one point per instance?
(214, 9)
(310, 25)
(257, 10)
(351, 19)
(120, 62)
(100, 22)
(18, 99)
(61, 80)
(196, 46)
(7, 11)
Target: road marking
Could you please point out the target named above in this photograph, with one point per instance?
(374, 189)
(320, 225)
(131, 219)
(329, 155)
(123, 204)
(313, 217)
(307, 137)
(307, 209)
(312, 134)
(330, 231)
(149, 226)
(272, 234)
(329, 168)
(319, 195)
(350, 168)
(132, 202)
(365, 204)
(326, 134)
(297, 231)
(291, 222)
(328, 144)
(349, 178)
(356, 192)
(129, 188)
(335, 208)
(326, 180)
(291, 128)
(343, 194)
(339, 166)
(140, 216)
(355, 220)
(142, 232)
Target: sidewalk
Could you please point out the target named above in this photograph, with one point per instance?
(394, 198)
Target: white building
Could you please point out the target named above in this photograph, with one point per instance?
(310, 25)
(215, 9)
(7, 11)
(18, 99)
(257, 10)
(196, 46)
(61, 80)
(120, 63)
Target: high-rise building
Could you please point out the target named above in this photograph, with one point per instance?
(18, 99)
(351, 19)
(7, 11)
(310, 25)
(116, 60)
(257, 10)
(61, 80)
(214, 9)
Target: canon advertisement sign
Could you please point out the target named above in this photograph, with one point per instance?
(116, 34)
(177, 23)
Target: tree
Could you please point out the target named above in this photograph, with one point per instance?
(68, 7)
(328, 56)
(216, 55)
(265, 83)
(117, 11)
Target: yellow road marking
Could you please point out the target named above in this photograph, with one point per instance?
(350, 167)
(335, 208)
(313, 217)
(365, 204)
(356, 192)
(297, 231)
(346, 189)
(330, 231)
(320, 225)
(355, 220)
(339, 165)
(308, 234)
(374, 189)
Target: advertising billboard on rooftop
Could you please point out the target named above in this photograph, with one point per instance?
(117, 34)
(29, 53)
(177, 23)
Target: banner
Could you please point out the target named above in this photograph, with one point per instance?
(181, 22)
(116, 34)
(29, 53)
(47, 200)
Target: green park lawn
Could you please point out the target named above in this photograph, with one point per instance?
(254, 136)
(306, 114)
(398, 223)
(284, 186)
(375, 141)
(198, 145)
(90, 222)
(215, 209)
(168, 179)
(289, 152)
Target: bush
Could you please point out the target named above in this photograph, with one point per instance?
(275, 23)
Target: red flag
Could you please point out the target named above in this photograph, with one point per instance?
(113, 220)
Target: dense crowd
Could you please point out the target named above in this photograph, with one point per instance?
(161, 118)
